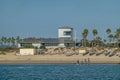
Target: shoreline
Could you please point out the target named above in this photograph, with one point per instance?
(45, 62)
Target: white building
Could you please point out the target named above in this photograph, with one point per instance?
(65, 32)
(65, 39)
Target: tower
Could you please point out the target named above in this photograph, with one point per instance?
(65, 32)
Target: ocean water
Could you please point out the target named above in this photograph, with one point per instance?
(60, 72)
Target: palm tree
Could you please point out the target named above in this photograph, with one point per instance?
(111, 37)
(13, 41)
(99, 41)
(0, 42)
(9, 41)
(104, 40)
(118, 32)
(18, 39)
(108, 31)
(95, 32)
(83, 40)
(117, 36)
(98, 38)
(4, 40)
(85, 34)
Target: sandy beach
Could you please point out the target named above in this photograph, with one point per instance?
(10, 58)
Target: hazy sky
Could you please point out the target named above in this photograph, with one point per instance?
(42, 18)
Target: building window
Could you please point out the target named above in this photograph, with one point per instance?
(26, 44)
(43, 44)
(67, 32)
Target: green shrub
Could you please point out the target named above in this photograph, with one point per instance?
(42, 47)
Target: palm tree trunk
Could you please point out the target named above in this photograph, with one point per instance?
(82, 42)
(85, 42)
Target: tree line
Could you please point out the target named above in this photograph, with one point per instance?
(9, 41)
(97, 40)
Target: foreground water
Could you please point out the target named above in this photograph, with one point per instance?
(60, 72)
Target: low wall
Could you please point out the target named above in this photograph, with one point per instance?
(27, 51)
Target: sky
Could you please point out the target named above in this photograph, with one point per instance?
(42, 18)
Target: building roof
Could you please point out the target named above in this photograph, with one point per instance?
(40, 40)
(65, 27)
(47, 40)
(30, 40)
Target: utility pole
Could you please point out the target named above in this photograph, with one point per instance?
(74, 39)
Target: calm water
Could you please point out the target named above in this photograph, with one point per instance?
(60, 72)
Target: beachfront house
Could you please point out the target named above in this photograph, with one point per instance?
(47, 42)
(65, 39)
